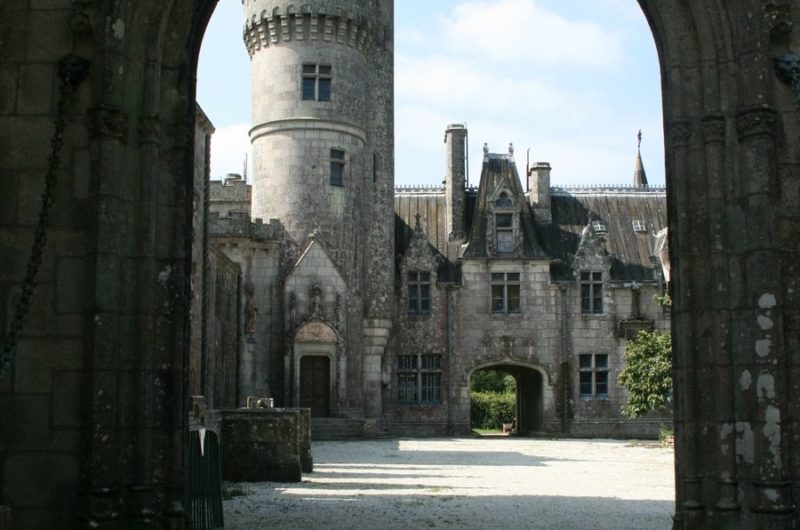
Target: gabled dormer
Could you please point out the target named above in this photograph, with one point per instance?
(418, 274)
(592, 267)
(502, 224)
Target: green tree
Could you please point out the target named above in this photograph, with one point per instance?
(648, 373)
(495, 381)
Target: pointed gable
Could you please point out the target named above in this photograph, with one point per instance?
(502, 224)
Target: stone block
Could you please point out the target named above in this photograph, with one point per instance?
(8, 203)
(36, 85)
(46, 481)
(261, 445)
(67, 396)
(37, 359)
(71, 287)
(25, 421)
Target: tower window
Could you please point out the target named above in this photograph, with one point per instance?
(504, 229)
(592, 293)
(505, 292)
(337, 167)
(419, 293)
(316, 82)
(594, 375)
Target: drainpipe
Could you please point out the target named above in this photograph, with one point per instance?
(449, 346)
(562, 360)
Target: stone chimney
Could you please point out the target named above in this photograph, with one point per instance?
(455, 180)
(539, 190)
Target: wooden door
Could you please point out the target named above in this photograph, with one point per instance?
(315, 384)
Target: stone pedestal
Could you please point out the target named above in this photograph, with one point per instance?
(263, 444)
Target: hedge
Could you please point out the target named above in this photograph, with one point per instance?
(490, 410)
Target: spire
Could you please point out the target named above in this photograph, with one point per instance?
(639, 176)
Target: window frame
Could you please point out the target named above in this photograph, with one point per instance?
(591, 292)
(418, 293)
(316, 82)
(506, 229)
(505, 287)
(595, 375)
(419, 379)
(338, 163)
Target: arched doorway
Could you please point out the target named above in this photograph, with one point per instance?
(527, 390)
(315, 379)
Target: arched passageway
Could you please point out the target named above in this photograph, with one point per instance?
(526, 389)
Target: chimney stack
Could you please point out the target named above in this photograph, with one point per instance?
(455, 137)
(539, 186)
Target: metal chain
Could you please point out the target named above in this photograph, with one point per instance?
(72, 70)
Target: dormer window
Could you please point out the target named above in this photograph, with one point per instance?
(591, 293)
(504, 228)
(640, 227)
(599, 227)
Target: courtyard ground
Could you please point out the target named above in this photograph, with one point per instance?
(489, 482)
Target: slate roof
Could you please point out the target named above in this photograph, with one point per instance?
(617, 208)
(572, 209)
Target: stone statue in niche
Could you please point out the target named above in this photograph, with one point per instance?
(250, 308)
(292, 309)
(316, 302)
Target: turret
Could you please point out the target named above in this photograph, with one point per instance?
(312, 151)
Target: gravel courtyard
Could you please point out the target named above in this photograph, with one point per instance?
(468, 483)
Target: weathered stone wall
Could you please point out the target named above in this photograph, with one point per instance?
(103, 362)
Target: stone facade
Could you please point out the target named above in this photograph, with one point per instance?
(93, 397)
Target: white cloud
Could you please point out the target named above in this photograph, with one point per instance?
(522, 32)
(228, 147)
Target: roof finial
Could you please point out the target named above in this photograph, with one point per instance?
(639, 176)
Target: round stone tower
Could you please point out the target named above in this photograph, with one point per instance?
(322, 136)
(311, 105)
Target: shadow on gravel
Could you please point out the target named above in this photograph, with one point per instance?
(390, 451)
(437, 509)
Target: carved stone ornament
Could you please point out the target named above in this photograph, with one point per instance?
(756, 122)
(149, 130)
(112, 123)
(681, 132)
(714, 129)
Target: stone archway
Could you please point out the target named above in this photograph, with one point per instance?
(733, 168)
(529, 394)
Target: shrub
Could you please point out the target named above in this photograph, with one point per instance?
(648, 373)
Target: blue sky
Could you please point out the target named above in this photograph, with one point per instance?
(573, 80)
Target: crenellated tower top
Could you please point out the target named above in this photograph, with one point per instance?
(270, 23)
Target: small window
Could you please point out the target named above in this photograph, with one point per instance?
(592, 293)
(639, 226)
(419, 293)
(337, 167)
(503, 201)
(505, 292)
(419, 379)
(593, 375)
(316, 82)
(504, 228)
(599, 227)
